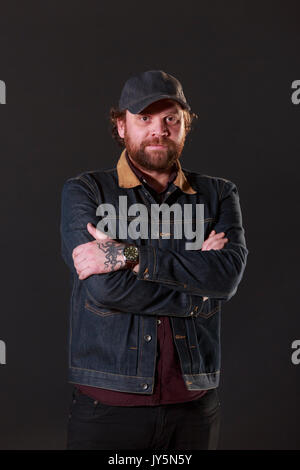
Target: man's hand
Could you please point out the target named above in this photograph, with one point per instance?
(102, 255)
(215, 241)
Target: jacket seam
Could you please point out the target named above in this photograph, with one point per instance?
(194, 289)
(113, 389)
(91, 186)
(208, 314)
(111, 373)
(221, 192)
(206, 373)
(141, 346)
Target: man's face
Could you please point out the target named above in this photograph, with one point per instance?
(154, 138)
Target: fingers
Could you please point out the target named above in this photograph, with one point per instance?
(78, 256)
(217, 245)
(219, 235)
(96, 233)
(85, 273)
(214, 241)
(80, 249)
(80, 262)
(76, 251)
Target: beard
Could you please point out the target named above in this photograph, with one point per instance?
(158, 160)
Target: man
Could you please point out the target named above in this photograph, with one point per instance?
(144, 338)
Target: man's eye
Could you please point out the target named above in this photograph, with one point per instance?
(172, 119)
(143, 118)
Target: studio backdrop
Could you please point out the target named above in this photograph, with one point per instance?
(62, 66)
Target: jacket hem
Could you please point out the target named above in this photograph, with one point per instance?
(202, 381)
(128, 384)
(109, 381)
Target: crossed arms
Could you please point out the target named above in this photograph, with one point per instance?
(174, 279)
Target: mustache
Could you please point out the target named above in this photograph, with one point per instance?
(158, 142)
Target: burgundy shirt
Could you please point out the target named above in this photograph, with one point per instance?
(169, 386)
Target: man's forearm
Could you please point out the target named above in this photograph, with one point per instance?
(214, 273)
(136, 270)
(118, 289)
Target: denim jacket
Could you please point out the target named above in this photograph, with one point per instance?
(112, 336)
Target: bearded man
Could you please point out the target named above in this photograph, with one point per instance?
(144, 336)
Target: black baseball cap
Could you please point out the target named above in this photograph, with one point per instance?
(145, 88)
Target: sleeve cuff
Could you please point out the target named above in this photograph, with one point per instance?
(147, 262)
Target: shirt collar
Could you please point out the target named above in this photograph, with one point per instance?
(128, 179)
(144, 177)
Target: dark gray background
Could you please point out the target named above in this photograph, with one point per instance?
(64, 63)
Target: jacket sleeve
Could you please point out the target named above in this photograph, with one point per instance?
(214, 273)
(122, 289)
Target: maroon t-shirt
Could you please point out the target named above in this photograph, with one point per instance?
(169, 386)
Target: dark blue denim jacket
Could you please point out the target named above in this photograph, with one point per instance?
(112, 325)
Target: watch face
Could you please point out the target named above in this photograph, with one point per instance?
(131, 253)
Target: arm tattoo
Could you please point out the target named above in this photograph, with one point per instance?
(111, 250)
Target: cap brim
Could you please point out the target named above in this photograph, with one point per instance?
(139, 106)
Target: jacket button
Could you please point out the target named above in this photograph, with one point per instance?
(144, 386)
(147, 338)
(158, 322)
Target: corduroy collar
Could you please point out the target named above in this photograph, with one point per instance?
(127, 178)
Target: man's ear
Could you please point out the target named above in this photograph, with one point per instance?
(121, 127)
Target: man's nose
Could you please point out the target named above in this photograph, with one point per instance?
(159, 128)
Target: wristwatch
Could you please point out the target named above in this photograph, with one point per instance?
(131, 255)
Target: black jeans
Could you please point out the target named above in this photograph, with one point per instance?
(185, 426)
